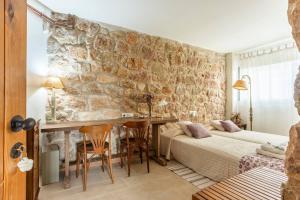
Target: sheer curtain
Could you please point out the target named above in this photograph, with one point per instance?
(273, 77)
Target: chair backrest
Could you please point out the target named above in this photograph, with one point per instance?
(97, 135)
(140, 131)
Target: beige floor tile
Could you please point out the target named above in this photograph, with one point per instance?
(160, 184)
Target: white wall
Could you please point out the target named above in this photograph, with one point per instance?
(231, 77)
(37, 65)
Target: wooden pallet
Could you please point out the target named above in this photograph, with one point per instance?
(256, 184)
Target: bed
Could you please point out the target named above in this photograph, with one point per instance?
(216, 157)
(253, 136)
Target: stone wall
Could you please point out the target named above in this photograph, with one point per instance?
(106, 68)
(291, 189)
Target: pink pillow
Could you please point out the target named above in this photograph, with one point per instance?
(230, 126)
(198, 131)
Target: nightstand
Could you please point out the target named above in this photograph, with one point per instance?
(242, 126)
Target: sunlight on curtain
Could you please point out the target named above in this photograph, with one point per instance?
(273, 77)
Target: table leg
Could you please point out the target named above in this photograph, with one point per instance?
(67, 159)
(156, 144)
(119, 145)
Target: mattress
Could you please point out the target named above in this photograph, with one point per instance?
(215, 157)
(253, 136)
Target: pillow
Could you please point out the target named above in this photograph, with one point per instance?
(209, 127)
(230, 126)
(172, 125)
(170, 133)
(217, 125)
(183, 126)
(198, 131)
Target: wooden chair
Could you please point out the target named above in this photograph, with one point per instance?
(137, 140)
(95, 143)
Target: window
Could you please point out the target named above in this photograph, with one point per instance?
(273, 77)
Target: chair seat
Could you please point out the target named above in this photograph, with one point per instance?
(131, 140)
(89, 147)
(133, 144)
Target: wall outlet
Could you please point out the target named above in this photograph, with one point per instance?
(193, 113)
(127, 115)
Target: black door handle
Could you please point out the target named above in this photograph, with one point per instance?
(17, 150)
(17, 123)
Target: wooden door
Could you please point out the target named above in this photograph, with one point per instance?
(13, 94)
(1, 98)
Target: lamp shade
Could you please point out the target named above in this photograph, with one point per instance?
(53, 83)
(240, 85)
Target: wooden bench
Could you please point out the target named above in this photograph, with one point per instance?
(259, 183)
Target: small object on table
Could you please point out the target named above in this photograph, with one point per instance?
(149, 97)
(145, 98)
(259, 183)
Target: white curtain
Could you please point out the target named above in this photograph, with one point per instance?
(273, 77)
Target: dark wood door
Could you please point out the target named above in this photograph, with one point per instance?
(13, 94)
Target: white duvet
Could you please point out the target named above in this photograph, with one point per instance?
(215, 157)
(166, 138)
(253, 136)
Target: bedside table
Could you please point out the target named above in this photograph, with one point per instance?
(242, 126)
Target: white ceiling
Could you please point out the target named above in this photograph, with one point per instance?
(220, 25)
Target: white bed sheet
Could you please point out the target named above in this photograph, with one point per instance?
(253, 136)
(215, 157)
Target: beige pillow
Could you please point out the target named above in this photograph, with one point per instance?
(172, 125)
(183, 126)
(209, 127)
(217, 125)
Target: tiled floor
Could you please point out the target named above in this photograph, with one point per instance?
(160, 184)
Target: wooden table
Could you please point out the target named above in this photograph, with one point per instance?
(67, 127)
(256, 184)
